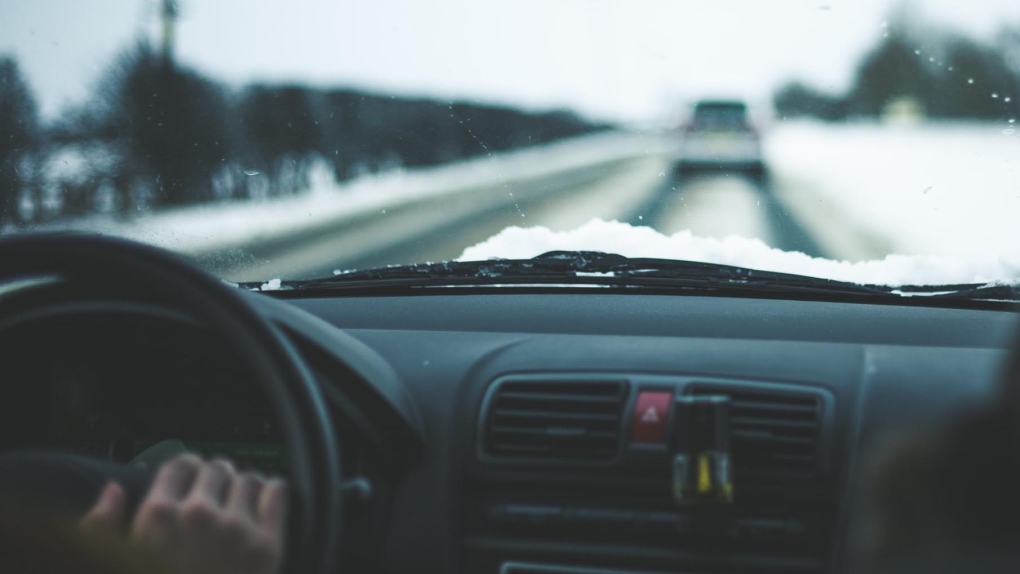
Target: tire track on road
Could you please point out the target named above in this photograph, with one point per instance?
(723, 204)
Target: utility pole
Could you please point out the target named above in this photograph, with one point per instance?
(168, 13)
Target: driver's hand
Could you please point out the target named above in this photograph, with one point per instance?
(203, 518)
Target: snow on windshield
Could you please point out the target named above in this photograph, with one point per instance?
(632, 241)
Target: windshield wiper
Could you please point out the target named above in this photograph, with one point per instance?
(587, 268)
(965, 292)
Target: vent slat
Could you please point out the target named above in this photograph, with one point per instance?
(756, 422)
(793, 406)
(774, 436)
(587, 453)
(555, 420)
(560, 397)
(554, 432)
(791, 459)
(571, 388)
(756, 436)
(545, 415)
(765, 478)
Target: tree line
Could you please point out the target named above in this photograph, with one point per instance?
(157, 135)
(941, 74)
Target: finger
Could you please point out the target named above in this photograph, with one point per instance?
(272, 509)
(110, 510)
(211, 482)
(243, 497)
(175, 477)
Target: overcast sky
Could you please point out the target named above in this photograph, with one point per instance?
(625, 59)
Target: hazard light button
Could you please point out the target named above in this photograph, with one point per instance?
(651, 417)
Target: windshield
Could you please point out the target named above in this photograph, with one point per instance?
(870, 141)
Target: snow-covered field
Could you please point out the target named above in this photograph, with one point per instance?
(943, 190)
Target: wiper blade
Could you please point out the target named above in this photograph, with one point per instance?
(589, 268)
(967, 292)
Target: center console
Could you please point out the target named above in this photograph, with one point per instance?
(621, 473)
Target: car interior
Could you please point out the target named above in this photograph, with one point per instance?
(509, 287)
(523, 429)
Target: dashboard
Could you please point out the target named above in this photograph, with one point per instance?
(536, 459)
(524, 432)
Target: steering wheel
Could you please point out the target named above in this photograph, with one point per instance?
(137, 273)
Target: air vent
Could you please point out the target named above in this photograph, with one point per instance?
(774, 437)
(564, 420)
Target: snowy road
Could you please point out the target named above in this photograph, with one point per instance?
(943, 194)
(639, 191)
(850, 193)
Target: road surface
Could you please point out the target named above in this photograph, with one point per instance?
(642, 191)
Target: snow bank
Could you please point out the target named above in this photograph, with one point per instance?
(624, 239)
(224, 226)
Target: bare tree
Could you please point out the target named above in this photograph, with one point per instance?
(19, 126)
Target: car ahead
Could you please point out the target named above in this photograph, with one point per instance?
(719, 136)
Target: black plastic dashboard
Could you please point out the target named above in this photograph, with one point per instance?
(874, 368)
(505, 430)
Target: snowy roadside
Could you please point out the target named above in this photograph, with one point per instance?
(948, 190)
(941, 199)
(212, 228)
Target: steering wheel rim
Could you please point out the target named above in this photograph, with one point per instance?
(146, 273)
